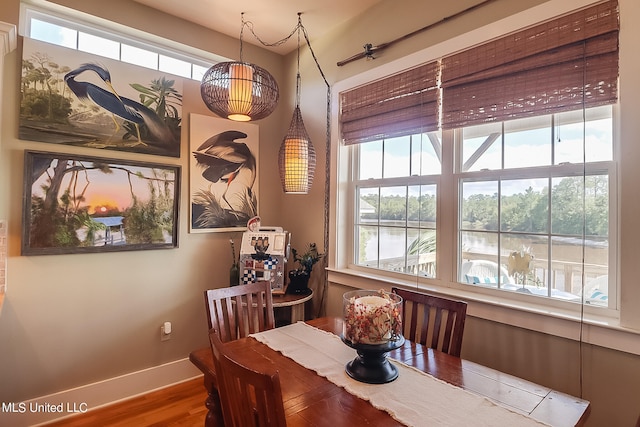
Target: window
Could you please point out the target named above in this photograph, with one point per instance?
(523, 187)
(395, 224)
(64, 32)
(503, 154)
(531, 210)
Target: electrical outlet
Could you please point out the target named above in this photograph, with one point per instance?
(164, 336)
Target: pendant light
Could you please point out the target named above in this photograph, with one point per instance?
(238, 90)
(297, 157)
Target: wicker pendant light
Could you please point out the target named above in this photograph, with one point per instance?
(297, 157)
(238, 90)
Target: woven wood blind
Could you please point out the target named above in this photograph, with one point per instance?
(402, 104)
(555, 66)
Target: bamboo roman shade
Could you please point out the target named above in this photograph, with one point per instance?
(402, 104)
(566, 63)
(563, 64)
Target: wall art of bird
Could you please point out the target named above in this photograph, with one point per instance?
(119, 106)
(226, 161)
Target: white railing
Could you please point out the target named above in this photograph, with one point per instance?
(566, 276)
(422, 265)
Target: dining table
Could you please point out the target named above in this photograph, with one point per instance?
(311, 399)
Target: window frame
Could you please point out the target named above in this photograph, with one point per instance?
(447, 275)
(608, 167)
(382, 182)
(102, 28)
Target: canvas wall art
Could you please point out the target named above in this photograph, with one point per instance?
(80, 204)
(75, 98)
(223, 173)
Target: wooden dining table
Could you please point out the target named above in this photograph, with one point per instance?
(312, 400)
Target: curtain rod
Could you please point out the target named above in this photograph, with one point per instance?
(370, 50)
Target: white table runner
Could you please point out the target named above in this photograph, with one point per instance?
(414, 399)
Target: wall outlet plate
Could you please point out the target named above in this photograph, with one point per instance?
(163, 336)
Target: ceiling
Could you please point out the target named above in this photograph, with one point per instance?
(272, 20)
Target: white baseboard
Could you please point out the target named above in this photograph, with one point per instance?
(45, 409)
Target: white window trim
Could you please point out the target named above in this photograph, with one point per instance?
(577, 323)
(80, 21)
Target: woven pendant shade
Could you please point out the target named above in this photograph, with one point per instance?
(297, 158)
(239, 91)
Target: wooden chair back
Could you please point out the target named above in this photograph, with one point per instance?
(434, 321)
(238, 311)
(250, 396)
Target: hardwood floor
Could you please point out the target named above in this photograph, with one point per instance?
(178, 405)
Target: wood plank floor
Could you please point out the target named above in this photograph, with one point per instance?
(177, 406)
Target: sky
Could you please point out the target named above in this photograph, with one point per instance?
(523, 148)
(89, 43)
(113, 190)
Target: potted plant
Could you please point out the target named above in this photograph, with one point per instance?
(299, 277)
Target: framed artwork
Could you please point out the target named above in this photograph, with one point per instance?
(82, 204)
(223, 171)
(74, 98)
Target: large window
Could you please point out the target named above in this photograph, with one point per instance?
(533, 206)
(498, 160)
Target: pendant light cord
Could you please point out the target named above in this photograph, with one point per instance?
(327, 182)
(241, 34)
(298, 66)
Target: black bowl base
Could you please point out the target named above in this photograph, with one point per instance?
(381, 372)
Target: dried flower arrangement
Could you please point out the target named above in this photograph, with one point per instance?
(372, 319)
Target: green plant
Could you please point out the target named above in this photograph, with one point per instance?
(307, 260)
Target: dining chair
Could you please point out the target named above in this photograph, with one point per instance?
(238, 311)
(435, 321)
(250, 396)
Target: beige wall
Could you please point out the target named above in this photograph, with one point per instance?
(68, 318)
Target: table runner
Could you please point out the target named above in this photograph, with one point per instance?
(414, 399)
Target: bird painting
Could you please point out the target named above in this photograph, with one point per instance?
(127, 109)
(231, 168)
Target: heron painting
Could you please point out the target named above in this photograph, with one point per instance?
(223, 174)
(106, 104)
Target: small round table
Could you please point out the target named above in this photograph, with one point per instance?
(296, 302)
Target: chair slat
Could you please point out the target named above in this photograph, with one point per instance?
(437, 326)
(448, 332)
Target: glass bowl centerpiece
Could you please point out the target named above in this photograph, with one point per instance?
(373, 327)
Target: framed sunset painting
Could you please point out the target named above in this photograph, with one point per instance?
(82, 204)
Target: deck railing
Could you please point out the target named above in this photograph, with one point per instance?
(565, 276)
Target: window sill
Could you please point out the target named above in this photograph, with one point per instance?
(570, 324)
